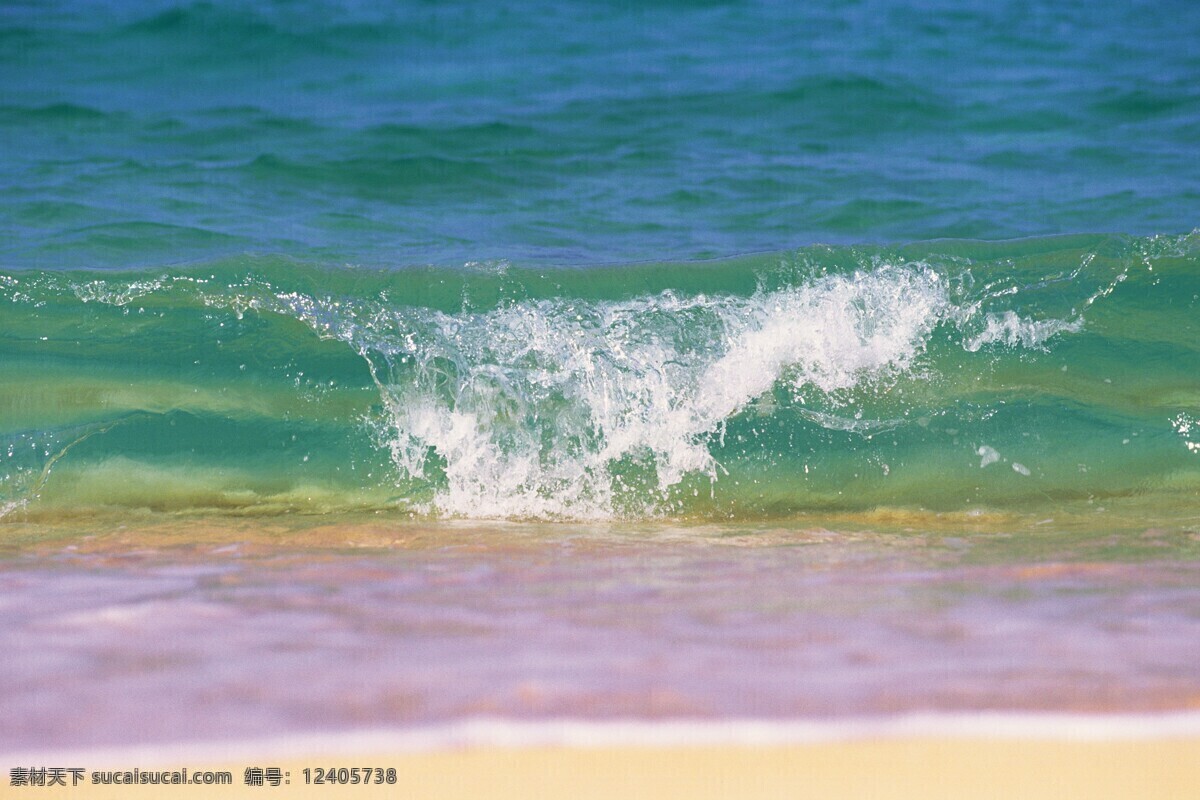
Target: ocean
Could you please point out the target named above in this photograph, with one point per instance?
(850, 348)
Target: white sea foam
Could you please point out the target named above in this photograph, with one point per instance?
(1012, 330)
(8, 507)
(581, 733)
(987, 455)
(529, 409)
(546, 408)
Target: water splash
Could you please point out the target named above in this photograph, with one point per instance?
(562, 407)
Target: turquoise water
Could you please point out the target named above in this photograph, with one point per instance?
(950, 376)
(692, 260)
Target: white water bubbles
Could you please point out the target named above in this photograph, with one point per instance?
(989, 455)
(575, 407)
(1188, 428)
(1008, 328)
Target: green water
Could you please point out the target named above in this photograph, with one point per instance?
(597, 261)
(948, 376)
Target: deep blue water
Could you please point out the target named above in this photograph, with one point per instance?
(150, 133)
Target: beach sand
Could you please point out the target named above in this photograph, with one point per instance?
(897, 769)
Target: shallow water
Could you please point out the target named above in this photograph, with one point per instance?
(217, 629)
